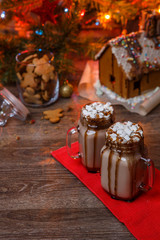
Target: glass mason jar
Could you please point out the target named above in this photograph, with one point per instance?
(10, 106)
(37, 82)
(125, 169)
(95, 118)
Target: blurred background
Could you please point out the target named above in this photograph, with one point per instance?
(68, 28)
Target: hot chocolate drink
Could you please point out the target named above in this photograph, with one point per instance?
(94, 120)
(125, 171)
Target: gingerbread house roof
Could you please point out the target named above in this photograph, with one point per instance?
(135, 53)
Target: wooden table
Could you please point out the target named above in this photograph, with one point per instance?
(39, 198)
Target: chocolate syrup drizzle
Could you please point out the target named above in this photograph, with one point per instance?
(85, 142)
(95, 139)
(95, 143)
(116, 173)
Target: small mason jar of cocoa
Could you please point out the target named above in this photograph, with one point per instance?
(125, 169)
(95, 118)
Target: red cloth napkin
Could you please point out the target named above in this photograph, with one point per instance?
(141, 217)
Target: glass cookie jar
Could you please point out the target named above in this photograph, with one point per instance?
(125, 169)
(38, 83)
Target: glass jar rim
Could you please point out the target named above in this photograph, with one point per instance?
(34, 51)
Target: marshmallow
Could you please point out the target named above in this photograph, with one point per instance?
(97, 110)
(124, 132)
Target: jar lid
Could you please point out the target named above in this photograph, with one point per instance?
(20, 111)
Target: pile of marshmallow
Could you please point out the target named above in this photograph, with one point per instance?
(97, 110)
(124, 132)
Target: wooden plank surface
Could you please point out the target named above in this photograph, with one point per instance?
(39, 198)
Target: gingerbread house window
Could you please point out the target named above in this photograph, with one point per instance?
(136, 84)
(112, 79)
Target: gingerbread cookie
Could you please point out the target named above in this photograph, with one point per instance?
(50, 75)
(29, 57)
(29, 68)
(43, 68)
(53, 115)
(28, 80)
(19, 76)
(46, 95)
(31, 97)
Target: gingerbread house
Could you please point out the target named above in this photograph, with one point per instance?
(130, 65)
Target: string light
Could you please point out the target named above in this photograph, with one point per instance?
(66, 10)
(3, 14)
(39, 32)
(104, 18)
(82, 13)
(159, 10)
(107, 16)
(97, 22)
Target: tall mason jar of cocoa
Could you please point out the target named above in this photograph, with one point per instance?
(95, 118)
(125, 170)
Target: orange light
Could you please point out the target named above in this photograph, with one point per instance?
(107, 16)
(159, 10)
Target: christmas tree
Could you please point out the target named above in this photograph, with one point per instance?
(55, 25)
